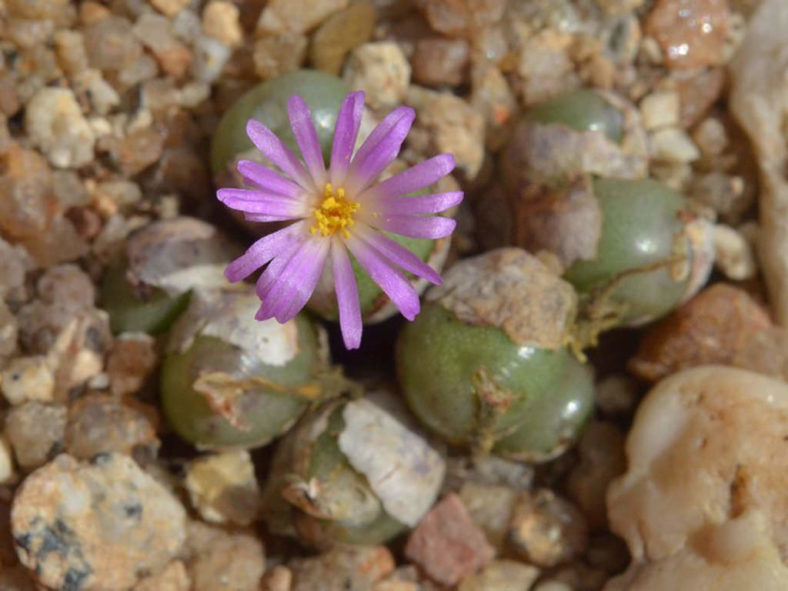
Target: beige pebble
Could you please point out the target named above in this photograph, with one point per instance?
(95, 526)
(501, 575)
(279, 578)
(673, 145)
(274, 55)
(382, 71)
(342, 568)
(55, 124)
(172, 577)
(710, 136)
(28, 378)
(169, 7)
(223, 487)
(707, 445)
(220, 20)
(222, 559)
(660, 109)
(7, 472)
(490, 507)
(36, 432)
(547, 530)
(616, 394)
(733, 254)
(296, 16)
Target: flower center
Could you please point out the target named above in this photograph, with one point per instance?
(335, 213)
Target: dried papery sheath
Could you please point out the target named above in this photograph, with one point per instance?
(338, 212)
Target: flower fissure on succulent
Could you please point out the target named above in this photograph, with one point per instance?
(338, 212)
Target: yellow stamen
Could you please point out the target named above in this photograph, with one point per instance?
(335, 213)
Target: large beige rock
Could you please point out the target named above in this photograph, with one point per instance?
(704, 502)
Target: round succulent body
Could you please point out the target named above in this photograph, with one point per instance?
(148, 286)
(581, 110)
(136, 308)
(644, 256)
(484, 361)
(354, 472)
(267, 103)
(228, 381)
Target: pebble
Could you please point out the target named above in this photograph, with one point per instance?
(70, 49)
(708, 329)
(27, 208)
(296, 16)
(36, 432)
(492, 97)
(547, 530)
(461, 17)
(660, 109)
(155, 32)
(131, 361)
(341, 33)
(342, 568)
(221, 20)
(616, 394)
(733, 254)
(100, 424)
(673, 145)
(382, 71)
(68, 286)
(446, 123)
(55, 124)
(96, 525)
(169, 7)
(110, 44)
(7, 472)
(27, 378)
(703, 499)
(440, 62)
(447, 545)
(501, 575)
(210, 57)
(490, 506)
(279, 578)
(759, 86)
(274, 55)
(601, 450)
(698, 90)
(172, 577)
(223, 487)
(692, 33)
(9, 332)
(220, 559)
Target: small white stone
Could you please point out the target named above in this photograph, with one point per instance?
(27, 378)
(223, 487)
(210, 56)
(673, 145)
(733, 254)
(660, 109)
(55, 124)
(382, 71)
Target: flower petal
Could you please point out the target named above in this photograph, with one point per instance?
(397, 254)
(421, 204)
(306, 137)
(417, 177)
(416, 227)
(391, 281)
(290, 291)
(277, 152)
(263, 251)
(262, 218)
(268, 180)
(251, 201)
(345, 134)
(347, 296)
(380, 148)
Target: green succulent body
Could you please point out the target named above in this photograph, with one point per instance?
(267, 103)
(473, 386)
(270, 399)
(581, 110)
(639, 250)
(148, 309)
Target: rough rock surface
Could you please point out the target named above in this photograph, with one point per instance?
(95, 526)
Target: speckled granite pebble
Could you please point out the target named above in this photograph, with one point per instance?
(95, 526)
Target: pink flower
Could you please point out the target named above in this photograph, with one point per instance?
(335, 211)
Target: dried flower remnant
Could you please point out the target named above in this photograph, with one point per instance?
(336, 210)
